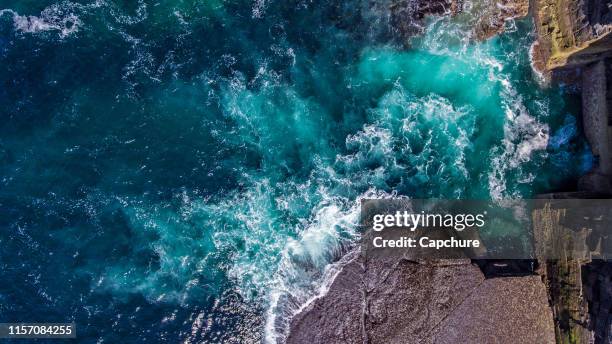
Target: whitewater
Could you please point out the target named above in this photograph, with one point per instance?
(199, 166)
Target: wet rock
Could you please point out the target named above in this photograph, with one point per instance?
(482, 18)
(493, 17)
(597, 287)
(407, 15)
(596, 120)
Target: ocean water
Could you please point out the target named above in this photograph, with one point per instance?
(190, 171)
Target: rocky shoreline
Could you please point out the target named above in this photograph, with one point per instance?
(407, 301)
(377, 300)
(575, 46)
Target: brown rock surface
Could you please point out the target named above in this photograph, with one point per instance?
(494, 15)
(407, 15)
(483, 18)
(574, 45)
(501, 310)
(572, 32)
(404, 301)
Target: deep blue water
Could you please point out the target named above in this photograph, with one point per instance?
(186, 171)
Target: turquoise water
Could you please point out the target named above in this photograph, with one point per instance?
(187, 171)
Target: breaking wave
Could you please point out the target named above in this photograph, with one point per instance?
(216, 166)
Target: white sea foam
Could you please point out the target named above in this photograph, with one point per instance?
(311, 261)
(523, 133)
(259, 8)
(121, 17)
(539, 75)
(326, 244)
(523, 136)
(53, 18)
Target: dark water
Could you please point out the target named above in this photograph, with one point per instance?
(186, 171)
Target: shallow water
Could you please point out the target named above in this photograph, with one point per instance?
(187, 171)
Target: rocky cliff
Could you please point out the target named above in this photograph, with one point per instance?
(575, 38)
(572, 32)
